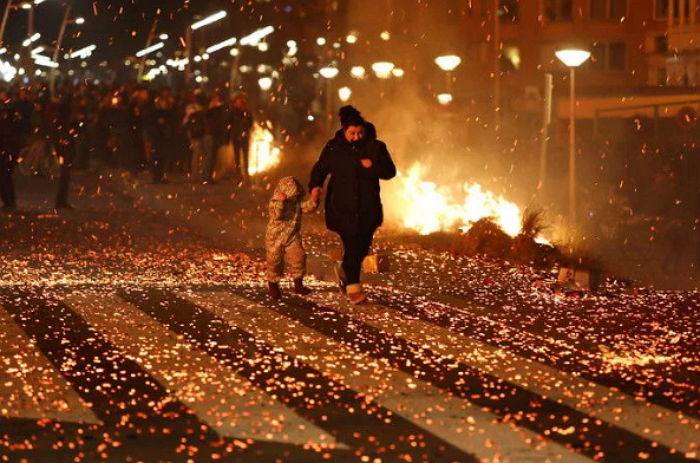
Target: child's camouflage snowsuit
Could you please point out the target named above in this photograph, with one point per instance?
(283, 235)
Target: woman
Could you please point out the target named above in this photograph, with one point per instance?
(355, 163)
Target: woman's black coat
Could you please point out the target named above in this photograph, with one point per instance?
(352, 201)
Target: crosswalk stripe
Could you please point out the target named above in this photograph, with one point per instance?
(670, 428)
(220, 397)
(453, 419)
(558, 422)
(30, 386)
(367, 427)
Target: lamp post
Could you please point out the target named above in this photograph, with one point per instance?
(448, 63)
(30, 20)
(344, 93)
(382, 70)
(572, 58)
(59, 42)
(329, 73)
(188, 39)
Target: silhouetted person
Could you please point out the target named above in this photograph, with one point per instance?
(10, 145)
(162, 133)
(217, 128)
(241, 122)
(63, 131)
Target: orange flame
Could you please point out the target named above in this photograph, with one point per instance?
(428, 207)
(263, 155)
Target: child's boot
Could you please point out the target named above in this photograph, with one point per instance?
(273, 289)
(299, 287)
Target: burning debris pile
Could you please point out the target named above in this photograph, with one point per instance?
(468, 219)
(264, 155)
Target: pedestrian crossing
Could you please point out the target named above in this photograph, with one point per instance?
(30, 387)
(346, 382)
(220, 397)
(670, 428)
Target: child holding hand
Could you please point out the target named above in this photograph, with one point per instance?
(283, 236)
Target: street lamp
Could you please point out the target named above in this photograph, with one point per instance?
(265, 83)
(444, 98)
(188, 39)
(358, 72)
(572, 58)
(344, 93)
(329, 73)
(383, 69)
(448, 63)
(149, 50)
(11, 5)
(59, 41)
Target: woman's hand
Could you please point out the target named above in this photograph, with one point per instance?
(366, 163)
(316, 194)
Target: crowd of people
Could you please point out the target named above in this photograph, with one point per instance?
(130, 128)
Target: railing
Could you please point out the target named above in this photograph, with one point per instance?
(656, 107)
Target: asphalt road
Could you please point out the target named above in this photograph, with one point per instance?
(136, 328)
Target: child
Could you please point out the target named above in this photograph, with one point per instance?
(283, 236)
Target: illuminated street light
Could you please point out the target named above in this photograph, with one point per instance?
(448, 62)
(150, 49)
(358, 72)
(383, 69)
(221, 45)
(59, 42)
(344, 93)
(444, 98)
(265, 83)
(209, 20)
(254, 38)
(31, 39)
(398, 72)
(321, 41)
(46, 62)
(385, 35)
(351, 38)
(84, 52)
(572, 58)
(329, 72)
(188, 40)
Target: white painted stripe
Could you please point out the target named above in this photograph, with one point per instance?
(30, 385)
(457, 421)
(670, 428)
(229, 403)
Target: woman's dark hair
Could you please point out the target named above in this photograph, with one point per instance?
(370, 131)
(349, 115)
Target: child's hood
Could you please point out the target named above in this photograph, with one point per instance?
(290, 187)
